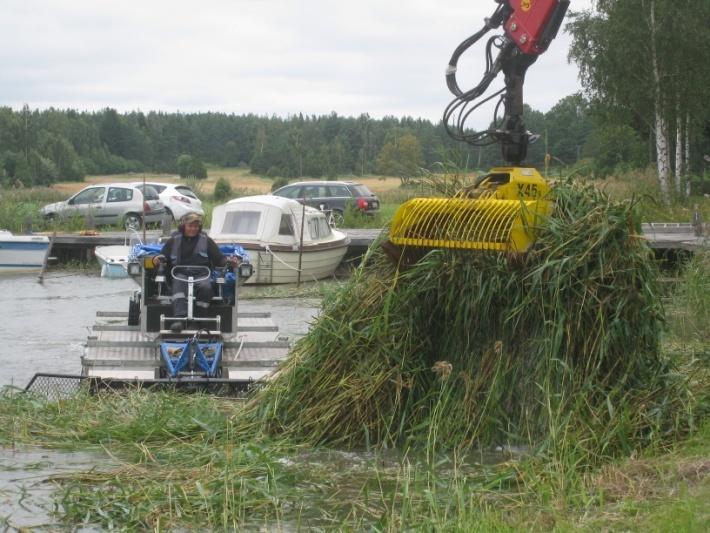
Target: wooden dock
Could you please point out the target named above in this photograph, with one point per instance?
(661, 236)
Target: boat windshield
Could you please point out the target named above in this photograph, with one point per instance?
(318, 228)
(286, 225)
(241, 222)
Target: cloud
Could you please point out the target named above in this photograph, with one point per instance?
(252, 56)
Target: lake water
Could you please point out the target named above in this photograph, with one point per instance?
(43, 327)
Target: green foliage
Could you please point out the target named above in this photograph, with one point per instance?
(534, 353)
(222, 190)
(274, 172)
(699, 184)
(690, 317)
(190, 167)
(42, 147)
(568, 126)
(188, 452)
(614, 149)
(278, 183)
(402, 157)
(641, 62)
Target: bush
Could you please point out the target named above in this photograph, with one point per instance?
(699, 184)
(222, 190)
(274, 172)
(191, 167)
(690, 311)
(278, 183)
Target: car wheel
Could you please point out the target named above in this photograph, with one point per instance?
(132, 221)
(170, 214)
(338, 219)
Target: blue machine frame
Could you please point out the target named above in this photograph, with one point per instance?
(181, 355)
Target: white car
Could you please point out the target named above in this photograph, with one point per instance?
(178, 199)
(110, 203)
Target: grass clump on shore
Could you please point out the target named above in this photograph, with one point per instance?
(557, 349)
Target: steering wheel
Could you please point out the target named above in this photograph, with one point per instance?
(183, 272)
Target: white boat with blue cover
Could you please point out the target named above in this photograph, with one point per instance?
(22, 253)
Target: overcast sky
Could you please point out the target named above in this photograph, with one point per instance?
(254, 56)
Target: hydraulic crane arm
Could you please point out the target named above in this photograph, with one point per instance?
(530, 26)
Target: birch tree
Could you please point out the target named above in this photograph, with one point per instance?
(647, 57)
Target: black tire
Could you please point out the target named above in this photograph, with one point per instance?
(132, 221)
(134, 313)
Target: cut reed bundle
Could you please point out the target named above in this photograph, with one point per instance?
(558, 345)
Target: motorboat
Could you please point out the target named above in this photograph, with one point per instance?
(22, 253)
(286, 240)
(114, 258)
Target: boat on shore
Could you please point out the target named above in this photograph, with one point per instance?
(22, 253)
(114, 258)
(282, 238)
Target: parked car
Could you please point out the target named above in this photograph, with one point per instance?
(178, 199)
(112, 203)
(332, 196)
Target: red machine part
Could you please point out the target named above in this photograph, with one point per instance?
(531, 23)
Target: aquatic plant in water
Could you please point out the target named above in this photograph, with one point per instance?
(558, 347)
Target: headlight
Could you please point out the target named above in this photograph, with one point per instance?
(134, 269)
(245, 271)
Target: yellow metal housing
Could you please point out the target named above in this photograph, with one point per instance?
(499, 213)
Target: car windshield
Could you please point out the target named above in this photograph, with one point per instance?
(361, 190)
(186, 191)
(289, 192)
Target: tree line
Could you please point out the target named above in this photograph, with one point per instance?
(39, 147)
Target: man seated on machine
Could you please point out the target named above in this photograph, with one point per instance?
(191, 246)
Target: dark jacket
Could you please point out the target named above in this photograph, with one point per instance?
(198, 250)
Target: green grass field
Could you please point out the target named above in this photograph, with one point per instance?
(20, 208)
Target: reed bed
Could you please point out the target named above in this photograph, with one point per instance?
(557, 352)
(555, 349)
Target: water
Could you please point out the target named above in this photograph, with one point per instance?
(43, 327)
(27, 489)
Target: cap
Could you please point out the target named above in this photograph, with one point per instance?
(191, 217)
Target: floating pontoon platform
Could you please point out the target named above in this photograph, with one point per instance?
(117, 351)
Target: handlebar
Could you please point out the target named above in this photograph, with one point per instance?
(177, 272)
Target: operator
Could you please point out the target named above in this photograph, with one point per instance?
(191, 246)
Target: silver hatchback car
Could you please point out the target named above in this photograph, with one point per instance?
(111, 203)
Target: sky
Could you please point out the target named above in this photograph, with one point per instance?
(268, 57)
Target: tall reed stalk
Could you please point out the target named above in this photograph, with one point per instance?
(557, 349)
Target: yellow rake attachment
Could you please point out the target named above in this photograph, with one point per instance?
(499, 213)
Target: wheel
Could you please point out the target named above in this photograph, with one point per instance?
(134, 313)
(132, 221)
(337, 219)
